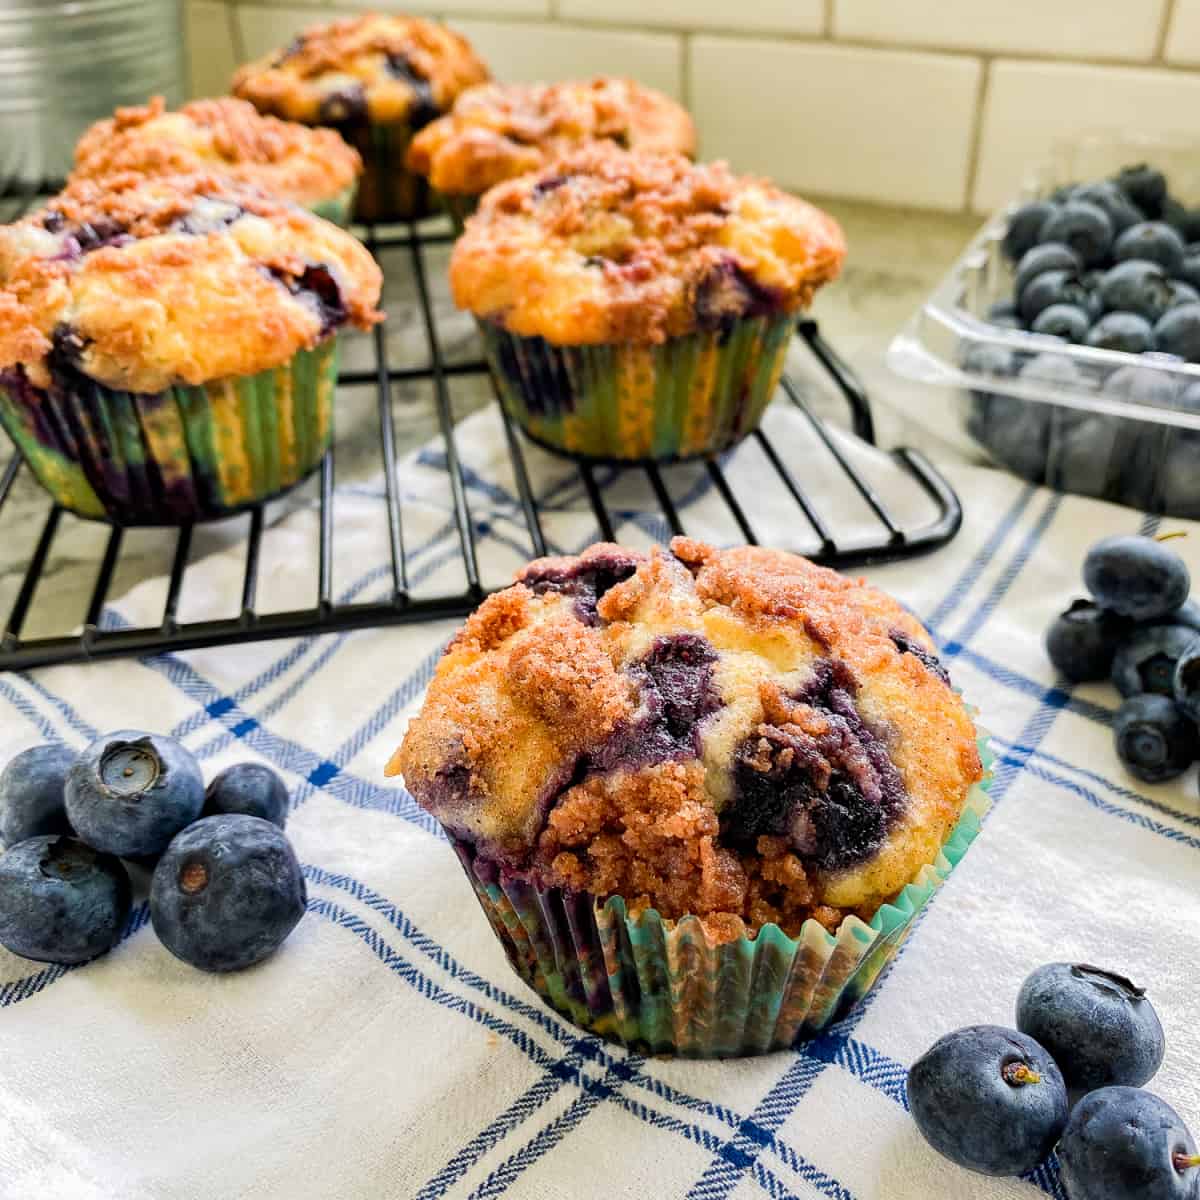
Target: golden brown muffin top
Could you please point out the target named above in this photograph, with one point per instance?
(378, 68)
(500, 130)
(738, 734)
(291, 161)
(608, 245)
(140, 283)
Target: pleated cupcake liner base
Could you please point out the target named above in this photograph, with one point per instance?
(183, 455)
(690, 397)
(387, 189)
(337, 208)
(663, 987)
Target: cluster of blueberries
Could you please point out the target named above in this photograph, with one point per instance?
(1070, 1076)
(1142, 631)
(1113, 265)
(226, 888)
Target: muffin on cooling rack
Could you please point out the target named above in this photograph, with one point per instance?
(168, 347)
(377, 79)
(638, 306)
(500, 130)
(700, 794)
(310, 167)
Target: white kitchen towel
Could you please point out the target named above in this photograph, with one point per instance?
(388, 1050)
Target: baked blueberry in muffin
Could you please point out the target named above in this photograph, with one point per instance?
(500, 130)
(377, 78)
(311, 167)
(736, 734)
(638, 306)
(167, 348)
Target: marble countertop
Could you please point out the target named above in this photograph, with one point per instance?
(895, 258)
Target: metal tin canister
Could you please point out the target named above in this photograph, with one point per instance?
(67, 63)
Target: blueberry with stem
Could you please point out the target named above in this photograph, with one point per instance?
(1154, 738)
(1082, 641)
(32, 790)
(1136, 576)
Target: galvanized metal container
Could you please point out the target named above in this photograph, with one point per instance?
(67, 63)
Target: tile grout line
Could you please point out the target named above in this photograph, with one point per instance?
(975, 151)
(1164, 31)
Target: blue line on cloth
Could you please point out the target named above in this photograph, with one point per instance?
(975, 568)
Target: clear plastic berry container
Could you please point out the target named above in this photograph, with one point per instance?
(1119, 426)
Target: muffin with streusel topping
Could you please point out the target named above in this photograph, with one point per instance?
(310, 167)
(377, 79)
(700, 794)
(168, 347)
(637, 306)
(498, 131)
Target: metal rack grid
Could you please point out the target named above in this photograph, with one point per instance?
(93, 642)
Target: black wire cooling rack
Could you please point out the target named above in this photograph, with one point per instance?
(92, 641)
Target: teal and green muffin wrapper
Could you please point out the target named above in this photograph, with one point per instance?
(337, 208)
(662, 986)
(387, 189)
(690, 396)
(178, 456)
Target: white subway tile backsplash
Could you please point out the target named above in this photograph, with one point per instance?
(1183, 37)
(880, 125)
(784, 16)
(1125, 29)
(264, 29)
(211, 53)
(531, 52)
(1031, 106)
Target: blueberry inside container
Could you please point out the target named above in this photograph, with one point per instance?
(1085, 419)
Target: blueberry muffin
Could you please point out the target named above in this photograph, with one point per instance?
(501, 130)
(738, 747)
(168, 346)
(377, 79)
(310, 167)
(638, 306)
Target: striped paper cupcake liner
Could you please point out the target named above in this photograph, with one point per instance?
(661, 986)
(387, 189)
(691, 396)
(183, 455)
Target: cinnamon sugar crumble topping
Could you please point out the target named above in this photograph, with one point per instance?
(498, 131)
(664, 727)
(608, 245)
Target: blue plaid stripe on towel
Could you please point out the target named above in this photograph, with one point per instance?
(389, 1051)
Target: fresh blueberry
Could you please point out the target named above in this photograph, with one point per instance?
(31, 793)
(1182, 292)
(1185, 683)
(1188, 225)
(61, 901)
(1024, 226)
(1136, 576)
(1041, 259)
(1120, 210)
(129, 793)
(1179, 480)
(1098, 1027)
(1189, 272)
(1146, 660)
(1188, 613)
(990, 1099)
(1064, 321)
(1084, 454)
(1081, 642)
(1014, 431)
(1138, 287)
(1004, 313)
(1144, 383)
(1064, 192)
(1178, 331)
(1154, 738)
(1124, 331)
(227, 892)
(1084, 227)
(1150, 241)
(1122, 1143)
(1145, 186)
(250, 788)
(1051, 287)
